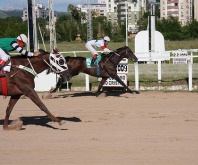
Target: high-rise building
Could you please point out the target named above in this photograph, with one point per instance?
(132, 9)
(116, 11)
(196, 10)
(40, 11)
(99, 8)
(181, 9)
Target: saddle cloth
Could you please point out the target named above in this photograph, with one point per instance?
(88, 61)
(4, 85)
(7, 67)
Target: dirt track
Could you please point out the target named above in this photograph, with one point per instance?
(152, 128)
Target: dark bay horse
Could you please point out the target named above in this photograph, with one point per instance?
(20, 81)
(107, 65)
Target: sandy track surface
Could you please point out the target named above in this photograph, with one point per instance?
(152, 128)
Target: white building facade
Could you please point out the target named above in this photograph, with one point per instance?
(132, 9)
(40, 11)
(181, 9)
(99, 8)
(116, 11)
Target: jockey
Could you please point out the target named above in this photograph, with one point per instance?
(102, 43)
(11, 44)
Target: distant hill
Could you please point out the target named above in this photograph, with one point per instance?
(18, 13)
(3, 14)
(10, 13)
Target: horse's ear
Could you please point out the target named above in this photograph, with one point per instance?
(42, 51)
(55, 51)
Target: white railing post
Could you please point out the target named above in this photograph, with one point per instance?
(136, 76)
(160, 68)
(87, 82)
(191, 54)
(190, 74)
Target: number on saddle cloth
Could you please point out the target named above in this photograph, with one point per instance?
(88, 61)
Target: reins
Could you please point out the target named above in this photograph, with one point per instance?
(21, 68)
(55, 71)
(111, 56)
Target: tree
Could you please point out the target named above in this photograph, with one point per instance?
(74, 13)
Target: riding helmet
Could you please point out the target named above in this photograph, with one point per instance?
(23, 37)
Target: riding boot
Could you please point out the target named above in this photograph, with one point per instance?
(93, 60)
(1, 67)
(92, 63)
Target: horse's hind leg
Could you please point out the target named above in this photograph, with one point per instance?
(101, 84)
(11, 104)
(35, 98)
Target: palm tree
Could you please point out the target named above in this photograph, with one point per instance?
(75, 14)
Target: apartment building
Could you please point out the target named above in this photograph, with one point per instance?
(132, 10)
(99, 8)
(116, 11)
(40, 11)
(196, 9)
(181, 9)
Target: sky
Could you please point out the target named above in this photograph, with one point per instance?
(59, 5)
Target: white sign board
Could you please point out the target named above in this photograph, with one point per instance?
(180, 57)
(113, 83)
(142, 42)
(122, 68)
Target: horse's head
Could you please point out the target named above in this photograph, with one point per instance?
(127, 53)
(58, 64)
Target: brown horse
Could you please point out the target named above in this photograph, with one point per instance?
(107, 67)
(20, 80)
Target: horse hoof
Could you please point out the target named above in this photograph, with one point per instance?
(16, 125)
(62, 122)
(102, 95)
(47, 96)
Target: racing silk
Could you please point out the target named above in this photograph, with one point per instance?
(99, 44)
(10, 44)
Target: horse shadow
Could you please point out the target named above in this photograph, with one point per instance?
(118, 93)
(42, 121)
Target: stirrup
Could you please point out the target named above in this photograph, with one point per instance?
(92, 63)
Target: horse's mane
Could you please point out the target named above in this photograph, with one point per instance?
(18, 57)
(107, 55)
(22, 57)
(67, 58)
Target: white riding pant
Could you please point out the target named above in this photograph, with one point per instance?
(90, 48)
(3, 55)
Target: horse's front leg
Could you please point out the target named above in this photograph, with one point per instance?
(11, 104)
(58, 84)
(31, 93)
(117, 78)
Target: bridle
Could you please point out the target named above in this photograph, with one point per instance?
(53, 64)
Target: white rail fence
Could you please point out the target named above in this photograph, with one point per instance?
(149, 57)
(157, 57)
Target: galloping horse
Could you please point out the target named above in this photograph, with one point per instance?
(20, 80)
(107, 67)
